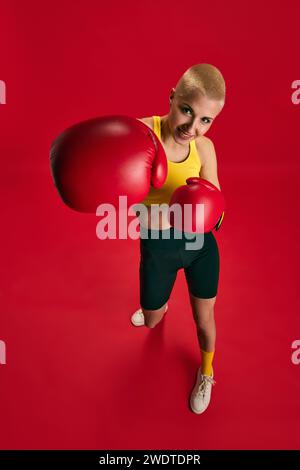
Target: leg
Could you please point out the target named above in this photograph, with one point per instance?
(153, 317)
(202, 276)
(159, 264)
(203, 313)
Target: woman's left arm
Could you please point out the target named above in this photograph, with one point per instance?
(208, 158)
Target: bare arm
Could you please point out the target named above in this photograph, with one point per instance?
(209, 167)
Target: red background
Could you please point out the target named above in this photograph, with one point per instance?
(78, 375)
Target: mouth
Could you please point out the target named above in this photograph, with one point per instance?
(183, 134)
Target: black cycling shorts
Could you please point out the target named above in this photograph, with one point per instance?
(162, 257)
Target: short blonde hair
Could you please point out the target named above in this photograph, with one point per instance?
(203, 78)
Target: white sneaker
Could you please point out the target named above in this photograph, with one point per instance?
(138, 319)
(200, 396)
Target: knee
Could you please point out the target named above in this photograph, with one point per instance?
(204, 313)
(210, 303)
(151, 322)
(153, 317)
(204, 323)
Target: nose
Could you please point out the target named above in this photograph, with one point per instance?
(194, 129)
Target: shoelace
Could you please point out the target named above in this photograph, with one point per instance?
(205, 380)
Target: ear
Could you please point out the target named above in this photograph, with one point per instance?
(172, 93)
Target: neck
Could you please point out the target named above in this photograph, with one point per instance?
(166, 135)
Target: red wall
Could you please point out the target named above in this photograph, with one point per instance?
(77, 375)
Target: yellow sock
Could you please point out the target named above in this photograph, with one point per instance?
(206, 365)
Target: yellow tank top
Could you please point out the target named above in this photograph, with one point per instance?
(177, 172)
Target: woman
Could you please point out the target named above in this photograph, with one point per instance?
(196, 101)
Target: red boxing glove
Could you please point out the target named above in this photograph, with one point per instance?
(191, 219)
(98, 160)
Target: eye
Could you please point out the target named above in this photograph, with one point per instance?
(184, 109)
(206, 120)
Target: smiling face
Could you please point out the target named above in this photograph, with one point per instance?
(191, 115)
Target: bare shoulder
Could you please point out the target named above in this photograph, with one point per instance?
(147, 120)
(208, 159)
(205, 149)
(204, 142)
